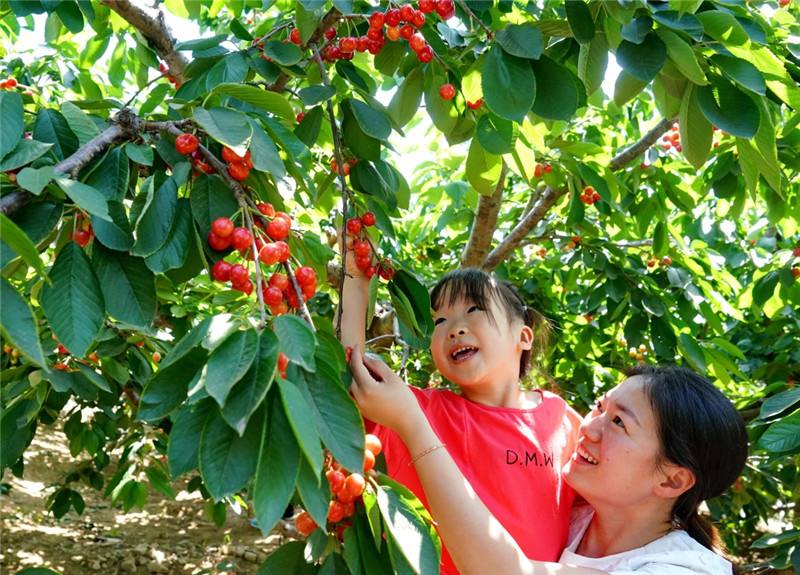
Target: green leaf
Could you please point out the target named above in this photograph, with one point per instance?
(687, 23)
(167, 388)
(313, 95)
(683, 56)
(19, 241)
(288, 558)
(23, 153)
(642, 61)
(693, 352)
(52, 128)
(361, 144)
(695, 129)
(742, 72)
(248, 393)
(283, 54)
(264, 99)
(72, 301)
(139, 153)
(626, 87)
(371, 121)
(660, 239)
(723, 26)
(443, 114)
(496, 135)
(80, 123)
(13, 124)
(86, 197)
(335, 415)
(779, 403)
(314, 491)
(406, 100)
(521, 40)
(728, 108)
(637, 29)
(155, 222)
(18, 324)
(508, 84)
(16, 437)
(557, 95)
(226, 126)
(211, 199)
(172, 254)
(229, 362)
(37, 220)
(653, 305)
(580, 20)
(231, 69)
(298, 413)
(278, 466)
(115, 234)
(483, 169)
(35, 179)
(783, 435)
(309, 127)
(201, 43)
(129, 288)
(764, 288)
(184, 437)
(592, 63)
(663, 337)
(296, 339)
(227, 461)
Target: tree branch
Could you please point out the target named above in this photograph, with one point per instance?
(630, 153)
(480, 236)
(525, 225)
(156, 32)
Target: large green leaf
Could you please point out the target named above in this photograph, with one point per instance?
(742, 72)
(777, 404)
(443, 113)
(111, 176)
(155, 222)
(184, 437)
(229, 362)
(314, 491)
(282, 53)
(211, 199)
(483, 169)
(172, 254)
(86, 197)
(227, 461)
(265, 154)
(496, 135)
(663, 336)
(52, 128)
(80, 123)
(682, 56)
(226, 126)
(557, 95)
(129, 287)
(728, 108)
(278, 466)
(24, 153)
(645, 60)
(37, 220)
(521, 40)
(580, 20)
(230, 69)
(35, 179)
(508, 84)
(167, 388)
(626, 87)
(723, 26)
(288, 558)
(13, 125)
(19, 241)
(16, 434)
(264, 99)
(359, 142)
(406, 100)
(296, 339)
(298, 412)
(248, 393)
(783, 435)
(73, 301)
(696, 131)
(115, 234)
(313, 95)
(592, 63)
(371, 121)
(335, 415)
(19, 325)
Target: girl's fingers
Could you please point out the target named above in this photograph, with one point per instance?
(379, 370)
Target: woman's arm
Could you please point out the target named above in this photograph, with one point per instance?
(472, 535)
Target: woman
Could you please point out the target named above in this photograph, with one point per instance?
(649, 453)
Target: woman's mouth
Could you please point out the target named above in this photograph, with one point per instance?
(584, 456)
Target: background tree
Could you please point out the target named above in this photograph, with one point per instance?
(660, 224)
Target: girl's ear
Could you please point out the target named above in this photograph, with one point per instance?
(526, 337)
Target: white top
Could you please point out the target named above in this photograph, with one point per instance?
(676, 553)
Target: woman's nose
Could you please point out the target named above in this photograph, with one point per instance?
(592, 427)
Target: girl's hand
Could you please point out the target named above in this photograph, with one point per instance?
(381, 395)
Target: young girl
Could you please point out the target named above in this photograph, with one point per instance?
(510, 444)
(650, 452)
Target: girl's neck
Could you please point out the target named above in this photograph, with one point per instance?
(510, 396)
(617, 531)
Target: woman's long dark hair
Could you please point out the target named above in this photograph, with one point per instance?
(699, 429)
(479, 287)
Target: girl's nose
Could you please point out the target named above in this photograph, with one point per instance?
(457, 332)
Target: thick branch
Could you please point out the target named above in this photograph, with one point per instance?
(526, 224)
(630, 153)
(480, 236)
(156, 32)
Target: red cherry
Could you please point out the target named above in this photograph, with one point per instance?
(81, 237)
(447, 91)
(284, 253)
(419, 19)
(355, 483)
(369, 460)
(272, 296)
(304, 524)
(244, 287)
(283, 362)
(266, 209)
(795, 273)
(392, 17)
(241, 239)
(278, 229)
(376, 20)
(538, 170)
(363, 262)
(279, 309)
(238, 171)
(279, 281)
(368, 219)
(330, 33)
(373, 443)
(374, 34)
(269, 254)
(217, 243)
(362, 248)
(239, 274)
(406, 31)
(336, 479)
(186, 144)
(305, 275)
(386, 271)
(221, 271)
(393, 33)
(291, 298)
(294, 36)
(375, 46)
(335, 512)
(202, 166)
(223, 227)
(796, 252)
(427, 6)
(370, 271)
(406, 13)
(417, 42)
(425, 55)
(362, 42)
(347, 44)
(354, 226)
(548, 168)
(476, 104)
(446, 9)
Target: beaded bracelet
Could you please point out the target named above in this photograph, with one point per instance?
(426, 452)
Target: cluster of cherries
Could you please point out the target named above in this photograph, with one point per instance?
(573, 243)
(795, 269)
(83, 232)
(448, 92)
(541, 169)
(672, 139)
(589, 196)
(665, 262)
(189, 145)
(164, 69)
(362, 248)
(8, 84)
(346, 165)
(346, 488)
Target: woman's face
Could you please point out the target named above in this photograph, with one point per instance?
(615, 461)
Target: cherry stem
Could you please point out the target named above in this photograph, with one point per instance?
(337, 150)
(248, 220)
(489, 33)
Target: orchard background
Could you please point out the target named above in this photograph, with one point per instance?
(656, 221)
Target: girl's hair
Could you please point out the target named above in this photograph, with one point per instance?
(699, 429)
(479, 287)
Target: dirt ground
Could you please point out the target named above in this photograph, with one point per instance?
(168, 536)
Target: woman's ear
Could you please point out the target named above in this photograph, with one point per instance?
(526, 337)
(677, 480)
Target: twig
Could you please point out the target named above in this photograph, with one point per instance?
(630, 153)
(489, 33)
(136, 95)
(337, 150)
(248, 220)
(299, 294)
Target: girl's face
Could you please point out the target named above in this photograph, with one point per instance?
(616, 460)
(470, 349)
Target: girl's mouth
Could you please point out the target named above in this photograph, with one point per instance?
(463, 353)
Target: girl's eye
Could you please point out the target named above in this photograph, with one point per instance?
(438, 320)
(598, 406)
(473, 308)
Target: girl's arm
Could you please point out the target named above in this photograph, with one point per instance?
(472, 535)
(355, 299)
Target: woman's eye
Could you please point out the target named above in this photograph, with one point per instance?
(598, 406)
(438, 320)
(618, 421)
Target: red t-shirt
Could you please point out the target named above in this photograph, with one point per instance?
(511, 457)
